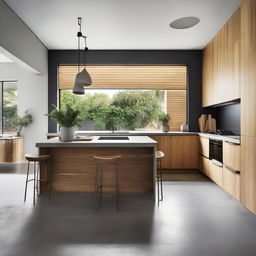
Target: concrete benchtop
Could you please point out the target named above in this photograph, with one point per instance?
(232, 139)
(129, 133)
(134, 141)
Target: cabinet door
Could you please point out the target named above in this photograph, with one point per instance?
(204, 165)
(231, 155)
(248, 174)
(17, 150)
(204, 146)
(190, 152)
(231, 182)
(181, 152)
(6, 150)
(215, 173)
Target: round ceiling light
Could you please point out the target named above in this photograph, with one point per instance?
(185, 22)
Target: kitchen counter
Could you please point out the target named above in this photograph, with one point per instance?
(134, 141)
(73, 166)
(232, 139)
(127, 133)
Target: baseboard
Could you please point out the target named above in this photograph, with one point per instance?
(179, 171)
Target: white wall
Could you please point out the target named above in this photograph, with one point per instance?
(32, 95)
(30, 69)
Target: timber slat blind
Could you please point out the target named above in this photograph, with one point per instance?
(128, 77)
(176, 108)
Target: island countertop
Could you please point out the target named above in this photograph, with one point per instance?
(133, 141)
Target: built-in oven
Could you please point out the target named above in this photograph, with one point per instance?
(215, 153)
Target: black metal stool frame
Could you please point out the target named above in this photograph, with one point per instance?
(36, 179)
(99, 186)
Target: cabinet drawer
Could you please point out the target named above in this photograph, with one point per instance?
(231, 155)
(231, 182)
(204, 165)
(215, 173)
(204, 146)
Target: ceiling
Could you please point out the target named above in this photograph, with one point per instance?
(123, 24)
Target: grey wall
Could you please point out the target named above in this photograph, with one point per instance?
(191, 58)
(17, 38)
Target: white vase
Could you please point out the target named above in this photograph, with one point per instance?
(67, 133)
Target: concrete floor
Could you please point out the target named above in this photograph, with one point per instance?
(196, 219)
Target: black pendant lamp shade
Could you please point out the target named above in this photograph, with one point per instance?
(83, 78)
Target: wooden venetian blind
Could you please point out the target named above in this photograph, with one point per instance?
(127, 77)
(177, 108)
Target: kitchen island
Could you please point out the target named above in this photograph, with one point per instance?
(73, 168)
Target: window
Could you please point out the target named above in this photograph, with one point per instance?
(8, 105)
(135, 94)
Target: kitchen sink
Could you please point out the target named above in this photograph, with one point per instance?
(113, 138)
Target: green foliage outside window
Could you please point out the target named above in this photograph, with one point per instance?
(127, 110)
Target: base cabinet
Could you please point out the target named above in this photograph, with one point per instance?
(181, 152)
(231, 182)
(204, 165)
(215, 173)
(11, 150)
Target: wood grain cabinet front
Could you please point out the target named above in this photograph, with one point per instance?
(11, 150)
(231, 156)
(215, 173)
(204, 165)
(204, 146)
(231, 182)
(221, 64)
(181, 152)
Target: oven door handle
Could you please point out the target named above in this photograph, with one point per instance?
(219, 164)
(232, 143)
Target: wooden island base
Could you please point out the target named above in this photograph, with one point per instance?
(73, 169)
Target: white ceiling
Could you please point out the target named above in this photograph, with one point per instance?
(123, 24)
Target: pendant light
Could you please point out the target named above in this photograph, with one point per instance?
(83, 77)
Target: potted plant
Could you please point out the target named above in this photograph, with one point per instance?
(68, 118)
(164, 119)
(21, 122)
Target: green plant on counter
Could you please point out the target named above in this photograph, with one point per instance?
(164, 119)
(20, 122)
(66, 116)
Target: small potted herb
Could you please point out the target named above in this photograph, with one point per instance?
(68, 118)
(164, 119)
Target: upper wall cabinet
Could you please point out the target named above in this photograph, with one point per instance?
(221, 64)
(248, 68)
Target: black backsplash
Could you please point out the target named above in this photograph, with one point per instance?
(228, 117)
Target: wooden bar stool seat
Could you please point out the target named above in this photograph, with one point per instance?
(37, 160)
(159, 155)
(100, 162)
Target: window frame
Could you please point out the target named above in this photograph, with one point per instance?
(186, 90)
(2, 100)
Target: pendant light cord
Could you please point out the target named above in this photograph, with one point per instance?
(79, 35)
(85, 49)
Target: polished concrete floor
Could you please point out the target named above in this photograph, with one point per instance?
(196, 218)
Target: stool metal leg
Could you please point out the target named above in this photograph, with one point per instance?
(161, 186)
(26, 185)
(34, 194)
(100, 186)
(117, 189)
(158, 195)
(48, 180)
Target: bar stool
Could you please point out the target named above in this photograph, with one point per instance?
(100, 162)
(37, 159)
(159, 156)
